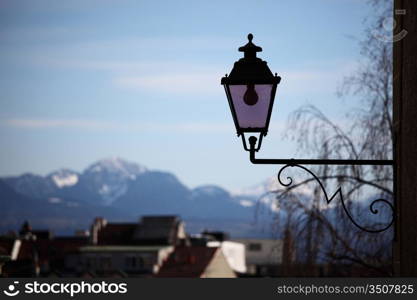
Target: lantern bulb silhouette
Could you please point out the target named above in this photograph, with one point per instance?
(250, 97)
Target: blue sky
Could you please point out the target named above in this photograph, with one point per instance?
(84, 80)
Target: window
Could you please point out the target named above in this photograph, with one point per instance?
(134, 262)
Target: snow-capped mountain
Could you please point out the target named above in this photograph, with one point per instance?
(64, 177)
(130, 186)
(116, 181)
(109, 178)
(117, 167)
(119, 190)
(101, 183)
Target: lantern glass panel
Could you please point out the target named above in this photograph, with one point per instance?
(251, 104)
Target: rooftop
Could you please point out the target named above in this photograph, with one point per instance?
(187, 262)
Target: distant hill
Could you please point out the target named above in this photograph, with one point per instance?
(65, 200)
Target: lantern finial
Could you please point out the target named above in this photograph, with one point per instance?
(250, 48)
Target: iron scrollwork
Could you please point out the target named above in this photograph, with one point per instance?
(339, 193)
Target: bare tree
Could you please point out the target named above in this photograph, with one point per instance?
(323, 232)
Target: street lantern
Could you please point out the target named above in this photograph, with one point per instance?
(250, 90)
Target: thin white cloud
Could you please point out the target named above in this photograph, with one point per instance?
(59, 123)
(154, 76)
(178, 83)
(178, 75)
(185, 79)
(132, 67)
(56, 52)
(96, 125)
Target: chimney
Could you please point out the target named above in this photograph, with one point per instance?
(97, 225)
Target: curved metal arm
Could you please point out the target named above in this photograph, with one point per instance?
(298, 163)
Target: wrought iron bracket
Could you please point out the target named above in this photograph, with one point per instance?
(298, 163)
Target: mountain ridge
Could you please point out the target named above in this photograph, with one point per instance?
(129, 189)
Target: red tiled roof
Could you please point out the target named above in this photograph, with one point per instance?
(50, 249)
(6, 246)
(187, 261)
(25, 250)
